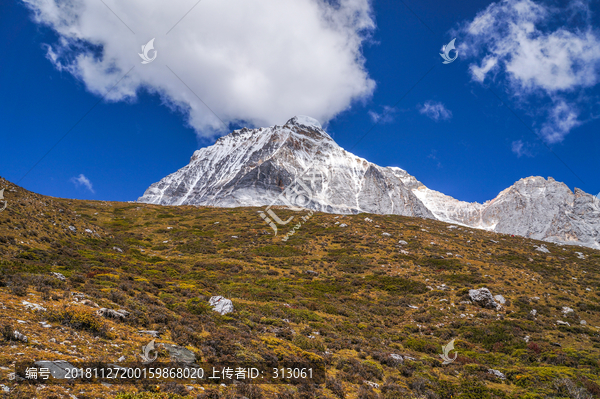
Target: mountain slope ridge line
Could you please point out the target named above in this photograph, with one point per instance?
(252, 167)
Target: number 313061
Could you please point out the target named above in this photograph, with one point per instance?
(288, 373)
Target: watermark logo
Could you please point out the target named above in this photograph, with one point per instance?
(146, 353)
(446, 355)
(2, 201)
(445, 54)
(296, 197)
(146, 48)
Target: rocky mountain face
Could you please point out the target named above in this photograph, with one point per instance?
(298, 165)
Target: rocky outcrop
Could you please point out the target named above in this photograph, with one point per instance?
(533, 207)
(483, 297)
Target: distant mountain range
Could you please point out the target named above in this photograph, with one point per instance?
(300, 164)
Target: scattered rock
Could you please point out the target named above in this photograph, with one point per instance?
(580, 255)
(556, 344)
(20, 337)
(73, 229)
(121, 359)
(312, 273)
(180, 354)
(566, 310)
(542, 248)
(397, 358)
(343, 225)
(500, 299)
(483, 297)
(110, 313)
(583, 322)
(117, 249)
(221, 305)
(563, 323)
(402, 242)
(497, 374)
(152, 333)
(533, 312)
(87, 302)
(33, 306)
(386, 234)
(368, 220)
(59, 276)
(89, 231)
(527, 338)
(413, 307)
(372, 384)
(4, 388)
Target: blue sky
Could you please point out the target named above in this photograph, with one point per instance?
(450, 131)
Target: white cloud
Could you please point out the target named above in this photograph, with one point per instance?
(561, 119)
(386, 116)
(435, 110)
(260, 61)
(81, 180)
(522, 149)
(539, 52)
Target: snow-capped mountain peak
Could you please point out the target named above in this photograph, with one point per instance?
(252, 167)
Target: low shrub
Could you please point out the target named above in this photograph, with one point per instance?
(80, 319)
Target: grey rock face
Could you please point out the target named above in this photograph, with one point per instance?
(254, 167)
(533, 207)
(483, 297)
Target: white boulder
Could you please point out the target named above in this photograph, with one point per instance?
(221, 305)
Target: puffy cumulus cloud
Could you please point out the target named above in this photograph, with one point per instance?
(435, 110)
(81, 180)
(258, 62)
(540, 52)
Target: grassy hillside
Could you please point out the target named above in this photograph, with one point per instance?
(351, 296)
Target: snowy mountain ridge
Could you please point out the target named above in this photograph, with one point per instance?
(253, 167)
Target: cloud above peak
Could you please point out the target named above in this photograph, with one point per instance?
(539, 53)
(259, 62)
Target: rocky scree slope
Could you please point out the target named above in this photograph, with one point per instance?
(254, 167)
